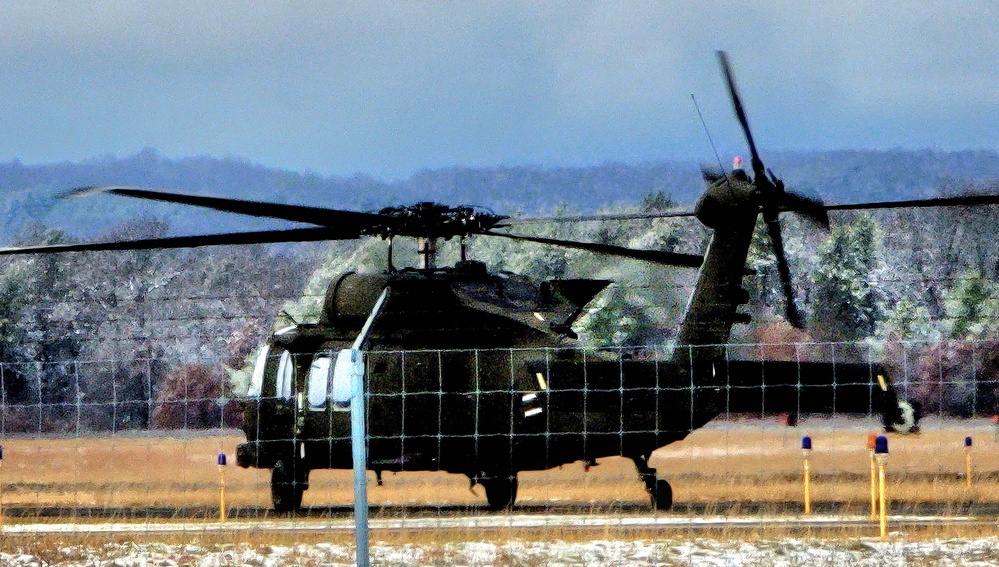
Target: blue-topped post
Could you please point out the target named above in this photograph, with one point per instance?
(1, 484)
(221, 464)
(967, 460)
(881, 454)
(806, 453)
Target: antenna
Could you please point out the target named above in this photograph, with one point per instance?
(708, 134)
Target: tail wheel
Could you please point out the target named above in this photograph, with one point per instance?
(662, 495)
(289, 479)
(501, 491)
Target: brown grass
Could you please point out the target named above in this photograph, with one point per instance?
(728, 468)
(721, 469)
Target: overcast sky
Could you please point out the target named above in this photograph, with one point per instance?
(388, 88)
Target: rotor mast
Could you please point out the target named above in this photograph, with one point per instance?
(426, 247)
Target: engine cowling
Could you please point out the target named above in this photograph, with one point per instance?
(722, 201)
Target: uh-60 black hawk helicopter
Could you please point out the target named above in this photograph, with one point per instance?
(474, 372)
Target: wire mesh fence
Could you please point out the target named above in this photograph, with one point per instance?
(555, 434)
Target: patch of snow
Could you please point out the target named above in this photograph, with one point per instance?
(787, 552)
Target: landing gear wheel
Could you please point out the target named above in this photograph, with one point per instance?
(288, 481)
(501, 491)
(662, 496)
(660, 490)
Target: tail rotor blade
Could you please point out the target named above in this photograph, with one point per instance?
(790, 306)
(809, 208)
(773, 198)
(759, 171)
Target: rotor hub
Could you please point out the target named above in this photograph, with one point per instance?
(432, 221)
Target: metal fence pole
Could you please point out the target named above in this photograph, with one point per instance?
(360, 454)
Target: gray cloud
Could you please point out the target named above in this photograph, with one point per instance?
(390, 87)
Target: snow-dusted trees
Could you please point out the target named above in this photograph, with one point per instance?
(88, 340)
(844, 302)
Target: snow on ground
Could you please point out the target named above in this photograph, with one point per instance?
(692, 552)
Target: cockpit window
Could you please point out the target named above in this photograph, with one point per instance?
(257, 378)
(285, 376)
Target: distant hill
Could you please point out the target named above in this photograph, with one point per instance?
(28, 193)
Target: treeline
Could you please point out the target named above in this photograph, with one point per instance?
(136, 339)
(133, 340)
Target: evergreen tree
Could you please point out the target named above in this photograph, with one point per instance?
(844, 301)
(971, 307)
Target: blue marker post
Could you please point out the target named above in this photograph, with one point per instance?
(967, 460)
(806, 452)
(1, 485)
(222, 510)
(881, 454)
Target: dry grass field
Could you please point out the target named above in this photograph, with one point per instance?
(726, 468)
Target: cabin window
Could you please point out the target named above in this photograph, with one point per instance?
(319, 378)
(256, 386)
(349, 362)
(285, 376)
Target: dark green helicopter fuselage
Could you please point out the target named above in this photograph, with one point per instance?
(479, 373)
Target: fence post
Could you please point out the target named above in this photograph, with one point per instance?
(222, 509)
(806, 452)
(360, 454)
(871, 444)
(967, 460)
(881, 453)
(1, 485)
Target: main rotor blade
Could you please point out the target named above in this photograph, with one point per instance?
(777, 240)
(962, 201)
(759, 171)
(656, 256)
(258, 237)
(587, 218)
(350, 220)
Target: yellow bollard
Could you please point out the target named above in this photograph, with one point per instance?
(222, 510)
(881, 453)
(967, 460)
(874, 476)
(806, 452)
(1, 487)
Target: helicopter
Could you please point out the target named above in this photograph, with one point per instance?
(479, 373)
